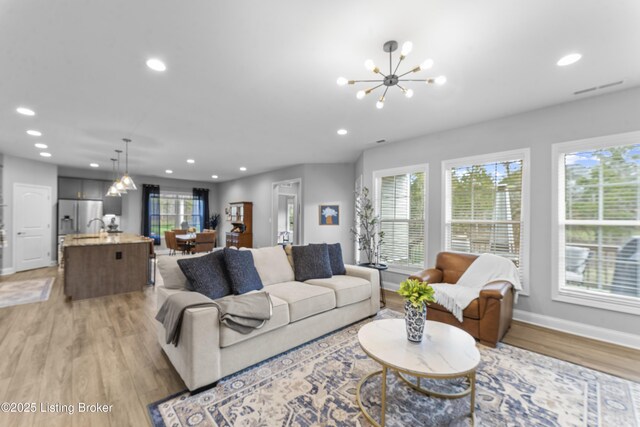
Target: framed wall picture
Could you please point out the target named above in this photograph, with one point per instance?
(329, 214)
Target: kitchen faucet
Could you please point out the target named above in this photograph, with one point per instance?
(97, 219)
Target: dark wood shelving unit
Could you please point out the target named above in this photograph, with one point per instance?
(240, 214)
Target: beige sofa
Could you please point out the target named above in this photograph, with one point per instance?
(209, 351)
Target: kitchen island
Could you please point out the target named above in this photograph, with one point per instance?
(105, 264)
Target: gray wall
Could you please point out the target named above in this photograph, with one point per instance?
(130, 221)
(604, 115)
(25, 171)
(321, 183)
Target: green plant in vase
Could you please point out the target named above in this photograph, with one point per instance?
(417, 295)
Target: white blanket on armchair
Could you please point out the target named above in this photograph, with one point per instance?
(487, 268)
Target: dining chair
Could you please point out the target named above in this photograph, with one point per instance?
(204, 242)
(170, 242)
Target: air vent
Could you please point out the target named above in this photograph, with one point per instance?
(605, 86)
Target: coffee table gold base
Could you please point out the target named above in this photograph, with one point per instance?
(470, 390)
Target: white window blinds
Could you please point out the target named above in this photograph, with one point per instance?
(484, 209)
(600, 230)
(402, 216)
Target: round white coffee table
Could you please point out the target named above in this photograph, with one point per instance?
(445, 352)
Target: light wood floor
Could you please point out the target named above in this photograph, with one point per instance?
(105, 350)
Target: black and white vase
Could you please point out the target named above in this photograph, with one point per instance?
(415, 320)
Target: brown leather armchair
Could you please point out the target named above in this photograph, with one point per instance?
(488, 317)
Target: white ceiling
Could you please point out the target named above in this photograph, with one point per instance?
(252, 83)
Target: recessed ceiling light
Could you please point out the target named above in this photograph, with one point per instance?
(45, 154)
(242, 168)
(41, 145)
(26, 111)
(342, 132)
(156, 65)
(34, 132)
(214, 176)
(191, 161)
(168, 171)
(572, 58)
(94, 165)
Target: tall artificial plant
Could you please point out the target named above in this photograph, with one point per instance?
(367, 233)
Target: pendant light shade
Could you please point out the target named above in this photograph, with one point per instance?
(118, 182)
(113, 191)
(126, 180)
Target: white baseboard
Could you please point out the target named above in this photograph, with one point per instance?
(583, 330)
(7, 271)
(390, 286)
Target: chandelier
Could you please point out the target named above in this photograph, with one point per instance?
(393, 79)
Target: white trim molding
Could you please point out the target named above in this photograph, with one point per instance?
(377, 176)
(525, 155)
(7, 271)
(598, 333)
(559, 292)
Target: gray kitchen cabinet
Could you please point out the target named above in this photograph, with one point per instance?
(110, 205)
(80, 189)
(69, 188)
(92, 189)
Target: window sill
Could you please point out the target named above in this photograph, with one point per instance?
(403, 270)
(617, 303)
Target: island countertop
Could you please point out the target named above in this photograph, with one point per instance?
(72, 240)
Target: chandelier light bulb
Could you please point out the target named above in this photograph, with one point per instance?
(440, 80)
(380, 104)
(342, 81)
(428, 63)
(406, 48)
(408, 93)
(361, 94)
(369, 65)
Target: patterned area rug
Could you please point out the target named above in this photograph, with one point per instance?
(25, 291)
(315, 385)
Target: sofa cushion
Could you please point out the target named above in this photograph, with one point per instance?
(279, 318)
(335, 258)
(242, 272)
(272, 265)
(172, 275)
(348, 289)
(311, 262)
(207, 274)
(304, 300)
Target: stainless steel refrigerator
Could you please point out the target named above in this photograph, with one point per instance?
(74, 215)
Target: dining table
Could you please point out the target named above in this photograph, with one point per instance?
(186, 241)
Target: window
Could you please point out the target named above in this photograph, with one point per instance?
(485, 206)
(401, 204)
(177, 207)
(597, 224)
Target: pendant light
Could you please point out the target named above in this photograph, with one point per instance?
(118, 182)
(113, 191)
(126, 179)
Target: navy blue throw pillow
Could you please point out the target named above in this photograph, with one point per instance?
(311, 262)
(242, 271)
(207, 274)
(335, 258)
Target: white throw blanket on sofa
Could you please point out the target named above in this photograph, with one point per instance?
(487, 268)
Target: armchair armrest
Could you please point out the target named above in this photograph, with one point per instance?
(497, 290)
(431, 275)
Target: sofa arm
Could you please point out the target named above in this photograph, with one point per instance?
(431, 275)
(197, 356)
(372, 276)
(496, 311)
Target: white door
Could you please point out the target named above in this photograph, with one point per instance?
(31, 226)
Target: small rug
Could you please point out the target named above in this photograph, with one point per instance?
(25, 291)
(315, 385)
